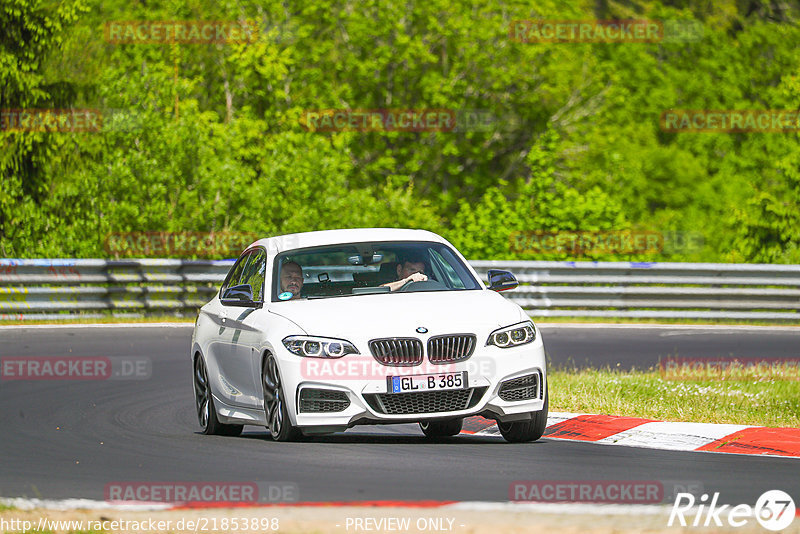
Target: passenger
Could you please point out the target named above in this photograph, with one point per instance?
(409, 269)
(292, 279)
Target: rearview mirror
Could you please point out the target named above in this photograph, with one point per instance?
(501, 280)
(241, 295)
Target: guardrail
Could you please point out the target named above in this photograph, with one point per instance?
(55, 289)
(654, 290)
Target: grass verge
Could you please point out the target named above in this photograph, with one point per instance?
(760, 402)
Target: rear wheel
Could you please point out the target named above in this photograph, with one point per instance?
(278, 423)
(441, 429)
(532, 430)
(204, 403)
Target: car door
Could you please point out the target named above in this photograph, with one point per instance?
(217, 347)
(231, 380)
(241, 368)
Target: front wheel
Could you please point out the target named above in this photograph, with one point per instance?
(204, 403)
(532, 430)
(441, 429)
(278, 423)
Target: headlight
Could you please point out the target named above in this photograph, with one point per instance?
(513, 336)
(318, 347)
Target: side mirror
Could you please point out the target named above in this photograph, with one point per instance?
(501, 280)
(241, 295)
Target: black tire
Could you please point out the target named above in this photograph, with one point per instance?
(524, 431)
(204, 403)
(441, 429)
(278, 423)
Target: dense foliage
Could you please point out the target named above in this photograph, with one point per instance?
(210, 137)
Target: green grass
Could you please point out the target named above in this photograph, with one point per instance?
(6, 507)
(764, 402)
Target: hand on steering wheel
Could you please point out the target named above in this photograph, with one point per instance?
(415, 277)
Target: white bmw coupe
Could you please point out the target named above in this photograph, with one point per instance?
(316, 332)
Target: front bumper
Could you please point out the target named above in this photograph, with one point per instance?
(331, 395)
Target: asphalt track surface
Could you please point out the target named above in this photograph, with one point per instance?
(643, 346)
(65, 439)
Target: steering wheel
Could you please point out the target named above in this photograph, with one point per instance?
(405, 286)
(425, 285)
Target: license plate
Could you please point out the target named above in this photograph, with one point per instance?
(438, 382)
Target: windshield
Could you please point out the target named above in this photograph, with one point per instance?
(369, 268)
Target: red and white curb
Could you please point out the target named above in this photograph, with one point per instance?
(674, 436)
(542, 507)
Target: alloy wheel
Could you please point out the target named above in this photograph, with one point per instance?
(273, 397)
(201, 392)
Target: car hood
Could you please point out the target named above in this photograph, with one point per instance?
(399, 315)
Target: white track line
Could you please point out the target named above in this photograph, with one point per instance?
(672, 436)
(82, 504)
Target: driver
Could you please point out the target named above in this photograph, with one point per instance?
(292, 278)
(409, 269)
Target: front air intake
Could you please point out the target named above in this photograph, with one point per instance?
(425, 402)
(314, 400)
(520, 389)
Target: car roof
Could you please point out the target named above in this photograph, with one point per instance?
(282, 243)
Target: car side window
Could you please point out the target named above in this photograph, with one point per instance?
(235, 275)
(254, 274)
(451, 277)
